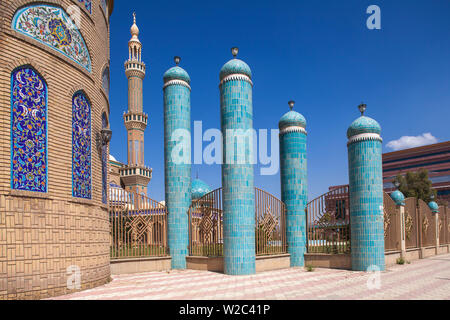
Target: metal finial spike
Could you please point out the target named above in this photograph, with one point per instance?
(177, 60)
(397, 185)
(235, 51)
(134, 17)
(291, 104)
(197, 174)
(362, 108)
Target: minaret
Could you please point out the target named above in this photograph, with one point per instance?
(177, 160)
(136, 176)
(294, 182)
(366, 194)
(236, 109)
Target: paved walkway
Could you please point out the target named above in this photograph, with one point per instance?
(423, 279)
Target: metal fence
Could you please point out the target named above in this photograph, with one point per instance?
(205, 221)
(270, 215)
(206, 225)
(428, 225)
(444, 227)
(412, 224)
(328, 222)
(138, 226)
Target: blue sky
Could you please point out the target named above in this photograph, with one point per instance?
(319, 53)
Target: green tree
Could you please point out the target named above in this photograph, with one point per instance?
(417, 185)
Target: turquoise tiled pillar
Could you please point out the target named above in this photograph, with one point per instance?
(366, 194)
(177, 116)
(237, 175)
(294, 182)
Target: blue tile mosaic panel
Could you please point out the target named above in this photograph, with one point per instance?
(28, 131)
(81, 147)
(238, 181)
(52, 26)
(104, 164)
(177, 115)
(294, 192)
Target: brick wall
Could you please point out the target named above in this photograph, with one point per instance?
(41, 235)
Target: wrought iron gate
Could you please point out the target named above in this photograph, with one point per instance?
(138, 226)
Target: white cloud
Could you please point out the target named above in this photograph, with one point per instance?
(412, 142)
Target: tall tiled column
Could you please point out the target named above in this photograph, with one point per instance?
(237, 176)
(177, 119)
(366, 194)
(294, 182)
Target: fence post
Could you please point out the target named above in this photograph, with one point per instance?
(435, 209)
(402, 231)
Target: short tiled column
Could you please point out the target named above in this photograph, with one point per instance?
(366, 194)
(294, 182)
(177, 121)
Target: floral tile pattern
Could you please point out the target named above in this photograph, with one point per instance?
(81, 147)
(28, 131)
(52, 26)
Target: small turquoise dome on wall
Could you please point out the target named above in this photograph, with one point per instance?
(434, 207)
(363, 125)
(199, 189)
(398, 197)
(177, 73)
(292, 119)
(235, 66)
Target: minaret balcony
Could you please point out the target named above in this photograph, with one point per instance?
(134, 67)
(136, 174)
(135, 120)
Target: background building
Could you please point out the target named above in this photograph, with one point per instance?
(54, 103)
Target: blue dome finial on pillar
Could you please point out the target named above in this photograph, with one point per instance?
(398, 196)
(433, 205)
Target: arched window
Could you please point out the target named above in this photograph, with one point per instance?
(81, 147)
(53, 27)
(28, 131)
(105, 79)
(105, 163)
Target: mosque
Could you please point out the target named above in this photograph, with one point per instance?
(68, 208)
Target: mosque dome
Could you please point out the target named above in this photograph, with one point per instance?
(235, 66)
(434, 207)
(292, 119)
(199, 189)
(363, 125)
(398, 198)
(177, 73)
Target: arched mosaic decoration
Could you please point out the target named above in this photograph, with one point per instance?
(106, 79)
(87, 4)
(81, 147)
(28, 131)
(104, 164)
(53, 27)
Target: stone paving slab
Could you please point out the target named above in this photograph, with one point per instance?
(421, 280)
